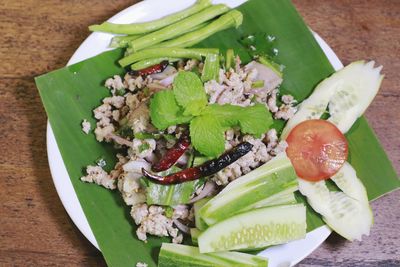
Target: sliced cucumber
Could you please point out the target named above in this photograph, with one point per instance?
(255, 229)
(172, 255)
(348, 213)
(272, 178)
(347, 94)
(194, 234)
(285, 197)
(199, 222)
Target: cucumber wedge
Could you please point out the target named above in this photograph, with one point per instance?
(172, 255)
(255, 229)
(199, 222)
(348, 213)
(274, 177)
(194, 234)
(347, 94)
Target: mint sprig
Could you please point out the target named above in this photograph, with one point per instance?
(187, 103)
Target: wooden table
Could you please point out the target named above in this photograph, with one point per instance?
(39, 36)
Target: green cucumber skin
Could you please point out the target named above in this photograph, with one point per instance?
(199, 222)
(256, 229)
(243, 193)
(172, 255)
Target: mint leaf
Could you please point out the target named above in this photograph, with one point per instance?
(189, 93)
(254, 120)
(207, 135)
(164, 111)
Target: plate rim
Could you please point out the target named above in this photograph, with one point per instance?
(60, 175)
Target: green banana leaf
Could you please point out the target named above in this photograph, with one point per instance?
(69, 95)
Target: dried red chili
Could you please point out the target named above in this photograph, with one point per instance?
(206, 169)
(172, 155)
(152, 69)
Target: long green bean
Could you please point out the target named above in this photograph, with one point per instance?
(122, 40)
(231, 19)
(129, 50)
(151, 62)
(146, 27)
(196, 53)
(178, 28)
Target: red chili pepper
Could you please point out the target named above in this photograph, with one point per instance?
(206, 169)
(173, 154)
(152, 69)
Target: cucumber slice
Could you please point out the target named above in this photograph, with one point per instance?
(348, 213)
(347, 94)
(172, 255)
(242, 194)
(199, 222)
(194, 234)
(255, 229)
(285, 197)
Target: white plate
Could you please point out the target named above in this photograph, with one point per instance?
(282, 255)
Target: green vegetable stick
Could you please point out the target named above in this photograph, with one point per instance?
(211, 68)
(122, 40)
(178, 28)
(129, 50)
(151, 62)
(231, 19)
(145, 27)
(196, 53)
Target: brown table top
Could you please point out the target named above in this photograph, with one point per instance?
(39, 36)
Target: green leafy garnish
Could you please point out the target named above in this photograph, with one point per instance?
(164, 110)
(207, 122)
(143, 147)
(207, 135)
(189, 93)
(252, 120)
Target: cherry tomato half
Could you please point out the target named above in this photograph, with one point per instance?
(317, 149)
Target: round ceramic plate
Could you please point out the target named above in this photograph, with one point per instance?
(282, 255)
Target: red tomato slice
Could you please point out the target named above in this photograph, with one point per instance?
(317, 149)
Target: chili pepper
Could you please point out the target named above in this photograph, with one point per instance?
(173, 154)
(206, 169)
(151, 70)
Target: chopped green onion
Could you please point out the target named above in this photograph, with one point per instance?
(230, 58)
(145, 27)
(258, 84)
(272, 65)
(211, 68)
(196, 53)
(143, 147)
(178, 28)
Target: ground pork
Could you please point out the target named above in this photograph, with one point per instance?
(152, 220)
(96, 174)
(86, 126)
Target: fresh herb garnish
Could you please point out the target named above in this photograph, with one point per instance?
(207, 122)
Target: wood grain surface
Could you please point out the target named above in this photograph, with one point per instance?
(39, 36)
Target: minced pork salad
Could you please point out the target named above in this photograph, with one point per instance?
(198, 149)
(124, 118)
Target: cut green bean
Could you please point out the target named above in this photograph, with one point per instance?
(211, 68)
(122, 41)
(151, 62)
(129, 50)
(196, 53)
(231, 19)
(230, 58)
(178, 28)
(146, 27)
